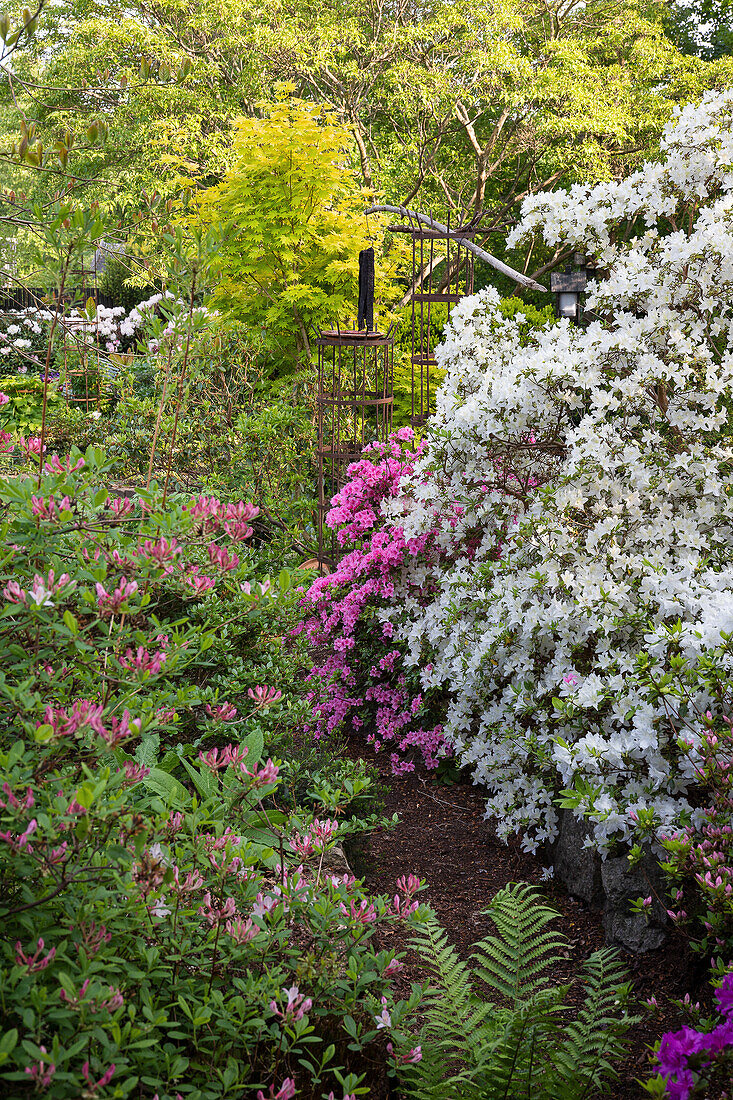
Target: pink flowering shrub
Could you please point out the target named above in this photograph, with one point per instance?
(168, 930)
(363, 681)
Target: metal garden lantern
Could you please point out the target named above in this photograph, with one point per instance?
(568, 287)
(442, 274)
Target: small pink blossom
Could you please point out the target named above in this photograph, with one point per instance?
(217, 914)
(93, 1086)
(121, 506)
(384, 1019)
(264, 776)
(18, 843)
(74, 1000)
(31, 446)
(229, 756)
(35, 962)
(224, 712)
(141, 660)
(241, 931)
(14, 593)
(135, 773)
(55, 465)
(192, 882)
(42, 1071)
(263, 695)
(220, 556)
(108, 603)
(413, 1056)
(296, 1007)
(198, 583)
(285, 1092)
(363, 913)
(27, 802)
(93, 936)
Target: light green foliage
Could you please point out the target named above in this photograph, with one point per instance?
(530, 1043)
(468, 105)
(113, 282)
(23, 411)
(292, 224)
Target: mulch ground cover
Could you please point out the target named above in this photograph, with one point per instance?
(442, 837)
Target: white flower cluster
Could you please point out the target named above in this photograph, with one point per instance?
(110, 327)
(18, 337)
(582, 481)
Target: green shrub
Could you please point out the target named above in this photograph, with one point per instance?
(172, 925)
(24, 410)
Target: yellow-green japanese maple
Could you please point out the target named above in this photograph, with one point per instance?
(292, 220)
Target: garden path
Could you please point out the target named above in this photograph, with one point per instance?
(443, 837)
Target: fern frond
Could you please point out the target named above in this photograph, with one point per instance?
(595, 1037)
(475, 1050)
(455, 1021)
(514, 961)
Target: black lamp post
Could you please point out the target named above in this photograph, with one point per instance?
(568, 286)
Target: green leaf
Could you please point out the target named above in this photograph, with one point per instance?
(254, 742)
(204, 780)
(8, 1042)
(71, 622)
(169, 789)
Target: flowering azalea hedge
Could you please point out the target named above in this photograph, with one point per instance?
(170, 928)
(573, 510)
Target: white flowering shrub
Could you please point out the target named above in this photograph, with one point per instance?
(24, 333)
(23, 339)
(598, 460)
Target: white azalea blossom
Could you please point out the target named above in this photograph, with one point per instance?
(588, 474)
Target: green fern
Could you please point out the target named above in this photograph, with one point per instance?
(513, 962)
(594, 1037)
(523, 1047)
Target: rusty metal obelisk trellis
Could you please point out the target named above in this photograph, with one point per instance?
(354, 402)
(442, 274)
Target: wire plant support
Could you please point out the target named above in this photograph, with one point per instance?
(442, 274)
(354, 400)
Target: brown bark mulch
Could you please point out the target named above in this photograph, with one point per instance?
(442, 837)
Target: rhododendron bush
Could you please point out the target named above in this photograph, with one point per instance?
(363, 680)
(168, 928)
(575, 490)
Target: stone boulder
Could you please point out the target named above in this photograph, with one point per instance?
(611, 885)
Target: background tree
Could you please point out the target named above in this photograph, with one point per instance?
(291, 216)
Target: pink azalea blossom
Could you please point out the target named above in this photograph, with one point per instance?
(42, 1071)
(224, 712)
(296, 1007)
(241, 931)
(35, 962)
(94, 1086)
(285, 1092)
(56, 466)
(263, 695)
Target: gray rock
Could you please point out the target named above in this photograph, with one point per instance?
(611, 885)
(578, 868)
(623, 884)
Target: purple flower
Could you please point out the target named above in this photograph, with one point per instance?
(724, 996)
